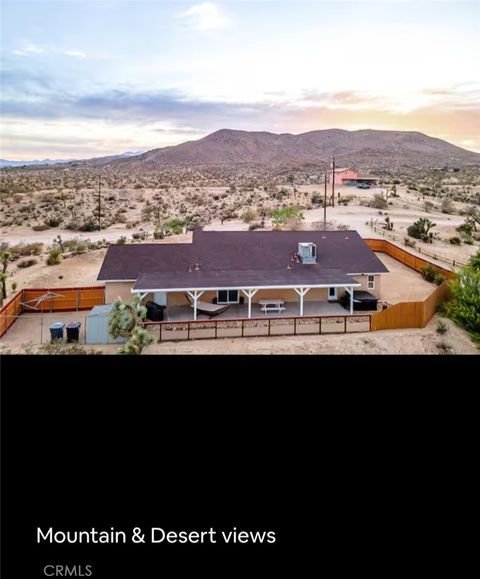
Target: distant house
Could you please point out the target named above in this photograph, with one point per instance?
(349, 176)
(261, 271)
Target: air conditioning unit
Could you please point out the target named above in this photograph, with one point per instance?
(307, 252)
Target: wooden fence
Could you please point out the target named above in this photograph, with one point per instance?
(411, 314)
(394, 237)
(67, 300)
(405, 257)
(10, 311)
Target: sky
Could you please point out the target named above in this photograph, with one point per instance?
(91, 78)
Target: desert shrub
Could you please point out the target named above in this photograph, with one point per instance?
(441, 327)
(53, 220)
(26, 263)
(249, 215)
(291, 215)
(447, 205)
(317, 199)
(455, 240)
(23, 249)
(429, 272)
(43, 227)
(438, 278)
(378, 202)
(474, 261)
(54, 255)
(444, 348)
(175, 225)
(64, 348)
(122, 240)
(89, 224)
(464, 308)
(254, 226)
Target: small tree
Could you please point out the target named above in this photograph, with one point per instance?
(287, 214)
(5, 259)
(125, 321)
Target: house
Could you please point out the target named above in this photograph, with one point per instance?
(349, 176)
(250, 267)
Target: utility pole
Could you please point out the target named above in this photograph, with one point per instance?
(325, 204)
(99, 205)
(333, 182)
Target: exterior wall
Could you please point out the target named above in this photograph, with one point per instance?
(115, 290)
(363, 279)
(342, 176)
(288, 295)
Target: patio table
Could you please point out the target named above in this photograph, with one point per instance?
(272, 305)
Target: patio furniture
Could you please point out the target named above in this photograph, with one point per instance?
(207, 308)
(272, 305)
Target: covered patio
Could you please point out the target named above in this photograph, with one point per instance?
(247, 294)
(240, 311)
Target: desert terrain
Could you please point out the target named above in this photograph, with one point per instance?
(57, 221)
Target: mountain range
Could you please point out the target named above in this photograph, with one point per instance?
(367, 149)
(363, 148)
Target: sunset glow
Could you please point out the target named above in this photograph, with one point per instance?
(83, 79)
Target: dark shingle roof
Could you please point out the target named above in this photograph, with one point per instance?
(241, 251)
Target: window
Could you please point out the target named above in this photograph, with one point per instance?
(371, 282)
(332, 293)
(227, 297)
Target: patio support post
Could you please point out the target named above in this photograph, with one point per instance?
(302, 291)
(249, 293)
(195, 295)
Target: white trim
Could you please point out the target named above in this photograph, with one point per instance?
(258, 287)
(375, 273)
(229, 302)
(116, 280)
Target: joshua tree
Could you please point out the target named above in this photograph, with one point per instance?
(125, 321)
(421, 229)
(4, 258)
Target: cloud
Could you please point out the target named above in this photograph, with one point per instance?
(75, 53)
(206, 16)
(29, 49)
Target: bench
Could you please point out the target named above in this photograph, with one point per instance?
(272, 306)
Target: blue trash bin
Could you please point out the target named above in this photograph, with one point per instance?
(56, 331)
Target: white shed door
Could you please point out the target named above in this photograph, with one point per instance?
(160, 298)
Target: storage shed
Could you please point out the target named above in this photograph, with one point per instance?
(96, 331)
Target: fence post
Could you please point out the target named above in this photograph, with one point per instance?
(160, 333)
(216, 329)
(319, 325)
(78, 300)
(294, 326)
(269, 326)
(242, 326)
(345, 324)
(188, 333)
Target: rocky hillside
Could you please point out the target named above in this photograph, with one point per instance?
(364, 148)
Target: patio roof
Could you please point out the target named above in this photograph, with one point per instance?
(311, 276)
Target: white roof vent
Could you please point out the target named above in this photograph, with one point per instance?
(307, 252)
